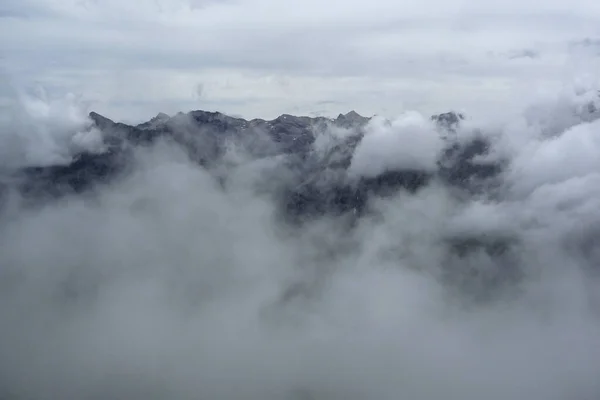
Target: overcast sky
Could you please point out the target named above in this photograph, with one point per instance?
(260, 58)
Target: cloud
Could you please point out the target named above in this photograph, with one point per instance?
(38, 129)
(410, 142)
(380, 45)
(165, 284)
(573, 154)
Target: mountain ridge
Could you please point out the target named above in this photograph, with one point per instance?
(206, 137)
(350, 119)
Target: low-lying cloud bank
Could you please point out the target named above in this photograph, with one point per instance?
(182, 278)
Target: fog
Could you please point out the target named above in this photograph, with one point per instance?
(165, 284)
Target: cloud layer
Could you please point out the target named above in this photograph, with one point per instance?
(136, 58)
(165, 284)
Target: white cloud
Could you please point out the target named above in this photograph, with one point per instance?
(408, 142)
(573, 154)
(42, 130)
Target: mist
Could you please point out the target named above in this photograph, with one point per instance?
(167, 283)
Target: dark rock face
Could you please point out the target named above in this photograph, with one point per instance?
(449, 120)
(459, 166)
(351, 119)
(84, 171)
(206, 135)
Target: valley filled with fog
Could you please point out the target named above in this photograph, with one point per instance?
(204, 256)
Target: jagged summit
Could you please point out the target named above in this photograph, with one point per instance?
(351, 118)
(350, 115)
(100, 120)
(292, 133)
(353, 115)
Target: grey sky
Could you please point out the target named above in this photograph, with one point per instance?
(132, 59)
